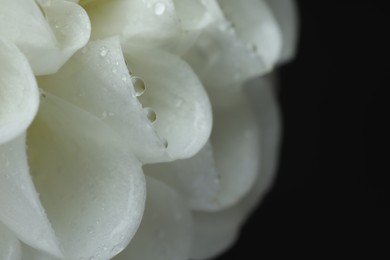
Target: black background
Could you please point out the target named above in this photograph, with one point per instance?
(329, 194)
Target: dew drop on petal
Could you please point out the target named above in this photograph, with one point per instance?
(150, 114)
(139, 86)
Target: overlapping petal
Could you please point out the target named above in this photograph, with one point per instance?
(90, 184)
(48, 32)
(71, 177)
(19, 94)
(166, 227)
(196, 179)
(97, 80)
(243, 44)
(169, 24)
(229, 166)
(174, 91)
(21, 209)
(216, 231)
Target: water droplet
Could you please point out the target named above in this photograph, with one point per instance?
(91, 258)
(103, 51)
(139, 86)
(150, 114)
(114, 70)
(159, 8)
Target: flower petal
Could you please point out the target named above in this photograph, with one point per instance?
(196, 14)
(262, 96)
(243, 45)
(174, 91)
(97, 80)
(10, 248)
(19, 95)
(216, 231)
(157, 23)
(285, 12)
(166, 227)
(236, 145)
(195, 179)
(91, 186)
(223, 172)
(48, 33)
(21, 209)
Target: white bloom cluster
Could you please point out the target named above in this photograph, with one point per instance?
(130, 129)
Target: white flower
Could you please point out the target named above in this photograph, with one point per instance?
(129, 129)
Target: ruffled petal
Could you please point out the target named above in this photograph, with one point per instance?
(169, 24)
(196, 179)
(216, 231)
(166, 227)
(19, 94)
(10, 247)
(47, 31)
(91, 186)
(97, 80)
(244, 44)
(286, 14)
(174, 91)
(22, 211)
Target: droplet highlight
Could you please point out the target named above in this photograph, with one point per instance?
(159, 8)
(103, 51)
